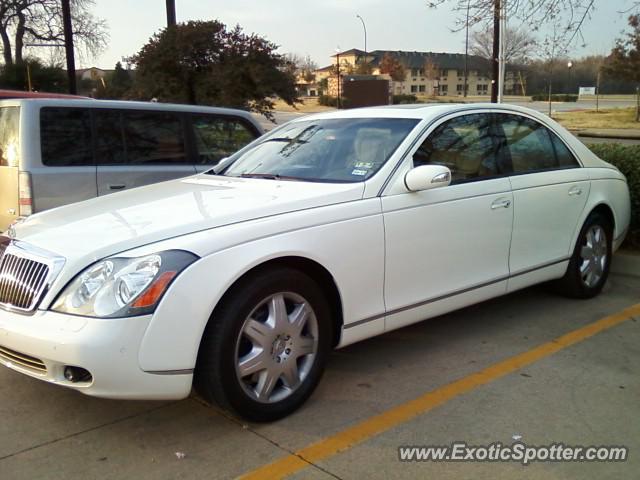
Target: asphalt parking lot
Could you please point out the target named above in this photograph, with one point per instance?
(371, 401)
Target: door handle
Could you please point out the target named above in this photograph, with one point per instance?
(119, 186)
(575, 191)
(500, 203)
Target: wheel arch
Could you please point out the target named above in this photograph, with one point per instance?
(313, 269)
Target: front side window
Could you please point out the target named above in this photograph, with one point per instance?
(466, 145)
(65, 137)
(531, 147)
(9, 136)
(109, 137)
(219, 137)
(327, 150)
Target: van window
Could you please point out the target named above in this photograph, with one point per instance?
(109, 137)
(9, 138)
(153, 138)
(65, 137)
(219, 137)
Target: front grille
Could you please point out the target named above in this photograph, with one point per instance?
(28, 362)
(22, 281)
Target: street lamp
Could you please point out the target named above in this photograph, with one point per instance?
(569, 66)
(365, 37)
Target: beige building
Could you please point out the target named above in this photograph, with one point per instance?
(426, 73)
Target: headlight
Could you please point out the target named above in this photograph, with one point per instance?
(122, 287)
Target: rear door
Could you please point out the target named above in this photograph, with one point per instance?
(549, 193)
(9, 152)
(218, 136)
(138, 147)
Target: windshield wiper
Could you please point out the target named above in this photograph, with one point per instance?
(270, 176)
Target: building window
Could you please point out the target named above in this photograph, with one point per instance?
(460, 87)
(444, 89)
(443, 73)
(414, 88)
(422, 88)
(482, 89)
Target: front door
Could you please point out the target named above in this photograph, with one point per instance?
(450, 245)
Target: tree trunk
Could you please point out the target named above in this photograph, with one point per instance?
(6, 46)
(19, 44)
(637, 104)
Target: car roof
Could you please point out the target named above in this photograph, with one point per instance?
(124, 104)
(8, 94)
(420, 111)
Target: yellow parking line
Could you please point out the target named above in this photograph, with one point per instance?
(375, 425)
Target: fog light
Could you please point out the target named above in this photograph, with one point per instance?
(77, 374)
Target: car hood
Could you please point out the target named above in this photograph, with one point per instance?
(114, 223)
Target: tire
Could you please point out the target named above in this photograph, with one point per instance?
(264, 349)
(589, 265)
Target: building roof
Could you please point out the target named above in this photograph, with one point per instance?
(353, 51)
(441, 60)
(328, 68)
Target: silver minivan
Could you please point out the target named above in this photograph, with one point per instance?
(59, 151)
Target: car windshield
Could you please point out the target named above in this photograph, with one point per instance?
(329, 150)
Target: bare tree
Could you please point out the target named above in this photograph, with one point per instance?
(23, 22)
(302, 67)
(534, 13)
(520, 45)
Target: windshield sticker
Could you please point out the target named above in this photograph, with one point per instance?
(367, 165)
(359, 172)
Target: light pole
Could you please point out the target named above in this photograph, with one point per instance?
(364, 27)
(466, 53)
(569, 67)
(338, 73)
(171, 13)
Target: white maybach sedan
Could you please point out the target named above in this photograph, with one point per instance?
(331, 229)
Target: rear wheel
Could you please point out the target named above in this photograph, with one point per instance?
(265, 347)
(589, 265)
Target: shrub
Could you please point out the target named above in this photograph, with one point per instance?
(404, 98)
(558, 97)
(627, 159)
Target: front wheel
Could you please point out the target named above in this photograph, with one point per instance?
(265, 347)
(589, 265)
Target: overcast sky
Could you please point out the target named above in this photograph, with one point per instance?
(317, 27)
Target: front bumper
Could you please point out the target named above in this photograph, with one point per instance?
(43, 344)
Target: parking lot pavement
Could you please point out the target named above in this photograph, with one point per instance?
(583, 394)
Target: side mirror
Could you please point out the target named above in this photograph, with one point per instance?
(426, 177)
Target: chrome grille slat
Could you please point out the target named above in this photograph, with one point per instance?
(24, 360)
(21, 281)
(26, 273)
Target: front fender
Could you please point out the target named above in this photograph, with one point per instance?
(351, 250)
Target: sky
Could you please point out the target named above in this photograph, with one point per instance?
(318, 27)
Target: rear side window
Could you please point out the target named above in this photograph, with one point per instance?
(531, 146)
(9, 137)
(219, 137)
(153, 138)
(65, 137)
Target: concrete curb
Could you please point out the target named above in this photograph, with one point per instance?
(625, 263)
(605, 134)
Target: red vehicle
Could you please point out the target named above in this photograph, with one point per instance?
(6, 94)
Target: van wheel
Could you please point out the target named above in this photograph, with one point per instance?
(264, 349)
(589, 265)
